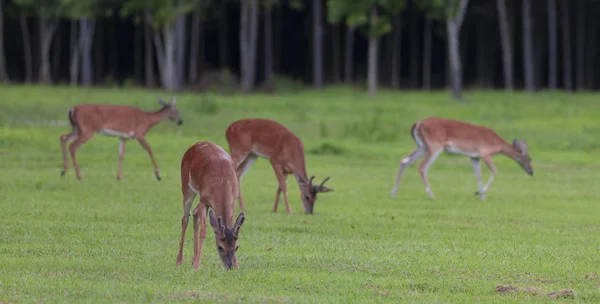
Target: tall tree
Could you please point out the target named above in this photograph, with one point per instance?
(26, 47)
(248, 42)
(552, 46)
(3, 72)
(395, 62)
(317, 14)
(566, 46)
(580, 44)
(454, 18)
(197, 40)
(163, 15)
(49, 12)
(528, 61)
(506, 43)
(349, 56)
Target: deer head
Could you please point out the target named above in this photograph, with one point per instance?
(226, 238)
(172, 112)
(523, 159)
(309, 192)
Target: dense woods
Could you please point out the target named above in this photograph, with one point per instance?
(250, 45)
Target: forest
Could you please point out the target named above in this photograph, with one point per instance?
(272, 45)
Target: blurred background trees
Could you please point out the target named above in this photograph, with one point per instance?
(270, 45)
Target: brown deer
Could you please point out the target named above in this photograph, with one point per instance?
(207, 170)
(434, 135)
(251, 138)
(125, 122)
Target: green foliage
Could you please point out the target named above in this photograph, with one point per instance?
(357, 14)
(45, 8)
(163, 12)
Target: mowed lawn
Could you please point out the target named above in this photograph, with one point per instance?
(105, 241)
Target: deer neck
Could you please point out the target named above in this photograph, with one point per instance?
(510, 151)
(156, 117)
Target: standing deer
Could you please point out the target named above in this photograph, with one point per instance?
(125, 122)
(249, 139)
(207, 170)
(434, 135)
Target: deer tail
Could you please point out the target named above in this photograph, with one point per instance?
(72, 117)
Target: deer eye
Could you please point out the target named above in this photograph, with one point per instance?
(220, 248)
(236, 247)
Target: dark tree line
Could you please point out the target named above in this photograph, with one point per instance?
(257, 44)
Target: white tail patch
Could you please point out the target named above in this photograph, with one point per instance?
(108, 132)
(418, 139)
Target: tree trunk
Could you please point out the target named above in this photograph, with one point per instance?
(180, 46)
(592, 50)
(278, 40)
(483, 65)
(414, 51)
(506, 43)
(223, 29)
(99, 51)
(335, 41)
(349, 58)
(47, 28)
(373, 56)
(552, 46)
(86, 34)
(195, 48)
(528, 63)
(56, 52)
(427, 54)
(167, 57)
(566, 44)
(317, 14)
(396, 59)
(75, 51)
(113, 55)
(453, 26)
(148, 52)
(248, 41)
(26, 48)
(268, 47)
(580, 53)
(137, 51)
(3, 72)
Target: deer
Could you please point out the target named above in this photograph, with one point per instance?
(208, 171)
(251, 138)
(124, 122)
(434, 135)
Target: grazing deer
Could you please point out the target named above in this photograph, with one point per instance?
(207, 170)
(249, 139)
(434, 135)
(125, 122)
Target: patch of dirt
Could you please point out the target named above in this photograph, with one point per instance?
(509, 288)
(565, 293)
(591, 276)
(380, 291)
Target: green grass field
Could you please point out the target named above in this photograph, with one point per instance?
(105, 241)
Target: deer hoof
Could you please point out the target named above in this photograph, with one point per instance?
(158, 177)
(62, 173)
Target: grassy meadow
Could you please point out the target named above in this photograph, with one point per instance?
(105, 241)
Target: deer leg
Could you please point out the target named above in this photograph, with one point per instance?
(188, 199)
(281, 188)
(80, 140)
(405, 162)
(477, 171)
(121, 154)
(424, 167)
(146, 146)
(199, 232)
(243, 166)
(64, 139)
(490, 164)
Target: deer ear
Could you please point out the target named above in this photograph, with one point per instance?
(300, 180)
(523, 146)
(515, 143)
(238, 224)
(323, 189)
(160, 101)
